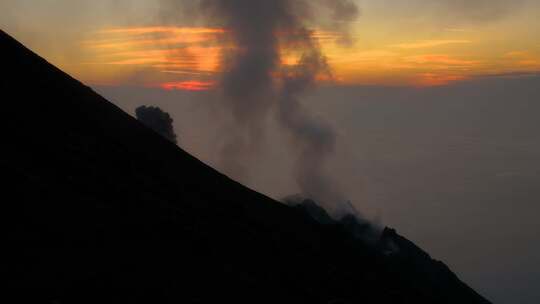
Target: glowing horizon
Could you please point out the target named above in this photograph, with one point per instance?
(414, 43)
(192, 55)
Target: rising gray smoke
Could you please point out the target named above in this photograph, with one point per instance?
(313, 139)
(157, 120)
(342, 13)
(255, 83)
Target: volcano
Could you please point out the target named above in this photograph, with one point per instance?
(98, 208)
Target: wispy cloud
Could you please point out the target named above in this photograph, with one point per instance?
(188, 56)
(192, 55)
(441, 59)
(162, 29)
(435, 79)
(458, 30)
(517, 54)
(523, 60)
(428, 44)
(188, 85)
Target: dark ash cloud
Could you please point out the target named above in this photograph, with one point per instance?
(157, 120)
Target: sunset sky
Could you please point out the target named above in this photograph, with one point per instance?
(434, 105)
(412, 43)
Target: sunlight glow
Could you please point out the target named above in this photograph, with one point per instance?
(188, 85)
(189, 58)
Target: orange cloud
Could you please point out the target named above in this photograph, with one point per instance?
(428, 44)
(162, 29)
(191, 55)
(188, 85)
(433, 79)
(441, 59)
(189, 58)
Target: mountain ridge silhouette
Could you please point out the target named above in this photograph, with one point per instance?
(98, 208)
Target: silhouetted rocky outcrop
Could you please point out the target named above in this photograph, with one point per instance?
(97, 208)
(413, 264)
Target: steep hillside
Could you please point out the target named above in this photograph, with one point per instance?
(96, 208)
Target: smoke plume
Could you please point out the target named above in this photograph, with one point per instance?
(256, 83)
(157, 120)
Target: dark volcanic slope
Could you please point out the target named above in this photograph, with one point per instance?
(96, 208)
